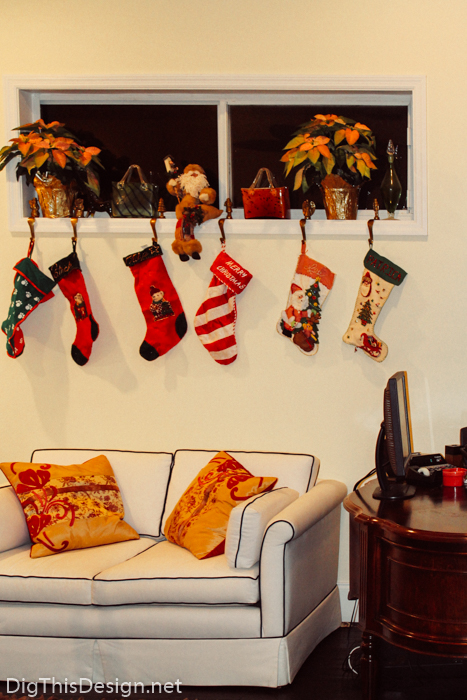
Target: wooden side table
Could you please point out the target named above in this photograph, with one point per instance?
(408, 568)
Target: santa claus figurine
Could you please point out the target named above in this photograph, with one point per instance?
(195, 206)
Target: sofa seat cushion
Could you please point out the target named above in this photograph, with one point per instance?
(131, 621)
(167, 573)
(66, 577)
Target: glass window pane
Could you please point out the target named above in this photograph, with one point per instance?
(144, 135)
(260, 133)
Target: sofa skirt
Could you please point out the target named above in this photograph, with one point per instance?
(268, 662)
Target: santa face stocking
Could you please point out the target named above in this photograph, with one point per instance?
(216, 317)
(31, 288)
(67, 273)
(379, 277)
(311, 284)
(160, 304)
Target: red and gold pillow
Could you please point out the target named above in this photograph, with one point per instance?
(199, 520)
(69, 507)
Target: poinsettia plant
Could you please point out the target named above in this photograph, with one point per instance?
(51, 148)
(330, 144)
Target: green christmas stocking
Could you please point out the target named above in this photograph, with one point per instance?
(380, 276)
(31, 288)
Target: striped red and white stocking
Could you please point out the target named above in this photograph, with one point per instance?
(216, 317)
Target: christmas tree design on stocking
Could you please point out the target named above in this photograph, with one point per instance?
(311, 284)
(159, 301)
(380, 276)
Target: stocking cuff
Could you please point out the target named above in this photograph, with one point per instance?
(28, 269)
(230, 273)
(152, 252)
(384, 268)
(64, 266)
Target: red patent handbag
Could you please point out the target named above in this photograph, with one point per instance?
(266, 202)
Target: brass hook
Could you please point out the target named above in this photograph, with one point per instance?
(221, 226)
(74, 239)
(154, 232)
(228, 207)
(371, 222)
(308, 209)
(33, 203)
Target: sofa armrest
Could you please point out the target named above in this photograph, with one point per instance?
(299, 557)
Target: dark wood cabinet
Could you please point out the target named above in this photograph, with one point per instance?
(408, 568)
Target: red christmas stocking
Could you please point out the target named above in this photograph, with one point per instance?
(216, 317)
(160, 304)
(380, 276)
(67, 273)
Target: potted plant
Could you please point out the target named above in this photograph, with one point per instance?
(55, 163)
(341, 153)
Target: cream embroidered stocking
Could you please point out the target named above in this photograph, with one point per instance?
(379, 277)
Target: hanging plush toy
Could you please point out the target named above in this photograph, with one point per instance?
(380, 276)
(195, 206)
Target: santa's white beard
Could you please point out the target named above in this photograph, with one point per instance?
(193, 185)
(299, 301)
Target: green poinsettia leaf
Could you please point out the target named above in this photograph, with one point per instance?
(93, 183)
(288, 167)
(314, 155)
(6, 158)
(296, 141)
(362, 168)
(300, 156)
(298, 178)
(329, 164)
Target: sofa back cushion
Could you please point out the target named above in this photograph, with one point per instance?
(13, 529)
(141, 476)
(296, 471)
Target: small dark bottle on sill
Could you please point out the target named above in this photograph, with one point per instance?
(391, 188)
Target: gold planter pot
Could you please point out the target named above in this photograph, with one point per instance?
(55, 198)
(340, 199)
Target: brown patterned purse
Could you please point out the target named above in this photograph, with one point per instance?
(266, 202)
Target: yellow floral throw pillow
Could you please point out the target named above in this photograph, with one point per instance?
(199, 520)
(69, 507)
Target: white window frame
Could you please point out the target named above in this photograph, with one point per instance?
(25, 94)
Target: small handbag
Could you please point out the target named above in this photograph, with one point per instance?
(266, 202)
(134, 199)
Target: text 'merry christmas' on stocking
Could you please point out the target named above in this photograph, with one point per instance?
(310, 286)
(216, 317)
(159, 301)
(67, 273)
(31, 288)
(379, 277)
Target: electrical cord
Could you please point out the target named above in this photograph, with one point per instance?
(364, 478)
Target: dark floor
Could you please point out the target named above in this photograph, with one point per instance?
(326, 676)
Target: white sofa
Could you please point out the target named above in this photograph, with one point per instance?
(147, 611)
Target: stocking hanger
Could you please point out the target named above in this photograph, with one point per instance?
(228, 209)
(74, 238)
(371, 222)
(308, 209)
(154, 232)
(34, 204)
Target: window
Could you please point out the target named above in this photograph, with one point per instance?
(231, 126)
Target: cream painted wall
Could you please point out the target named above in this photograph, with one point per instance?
(272, 397)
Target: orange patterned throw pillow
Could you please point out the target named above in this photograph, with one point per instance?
(69, 507)
(199, 520)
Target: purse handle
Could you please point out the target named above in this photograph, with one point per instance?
(127, 176)
(259, 176)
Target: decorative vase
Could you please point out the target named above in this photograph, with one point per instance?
(56, 198)
(391, 188)
(339, 197)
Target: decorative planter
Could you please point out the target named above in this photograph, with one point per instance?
(55, 198)
(340, 199)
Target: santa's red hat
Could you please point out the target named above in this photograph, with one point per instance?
(295, 288)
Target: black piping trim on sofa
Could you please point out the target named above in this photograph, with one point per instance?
(124, 605)
(283, 570)
(198, 639)
(136, 452)
(260, 495)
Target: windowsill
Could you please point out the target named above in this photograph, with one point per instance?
(102, 225)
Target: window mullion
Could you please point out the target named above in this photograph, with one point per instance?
(223, 141)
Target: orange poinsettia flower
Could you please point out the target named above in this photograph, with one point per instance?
(317, 146)
(329, 119)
